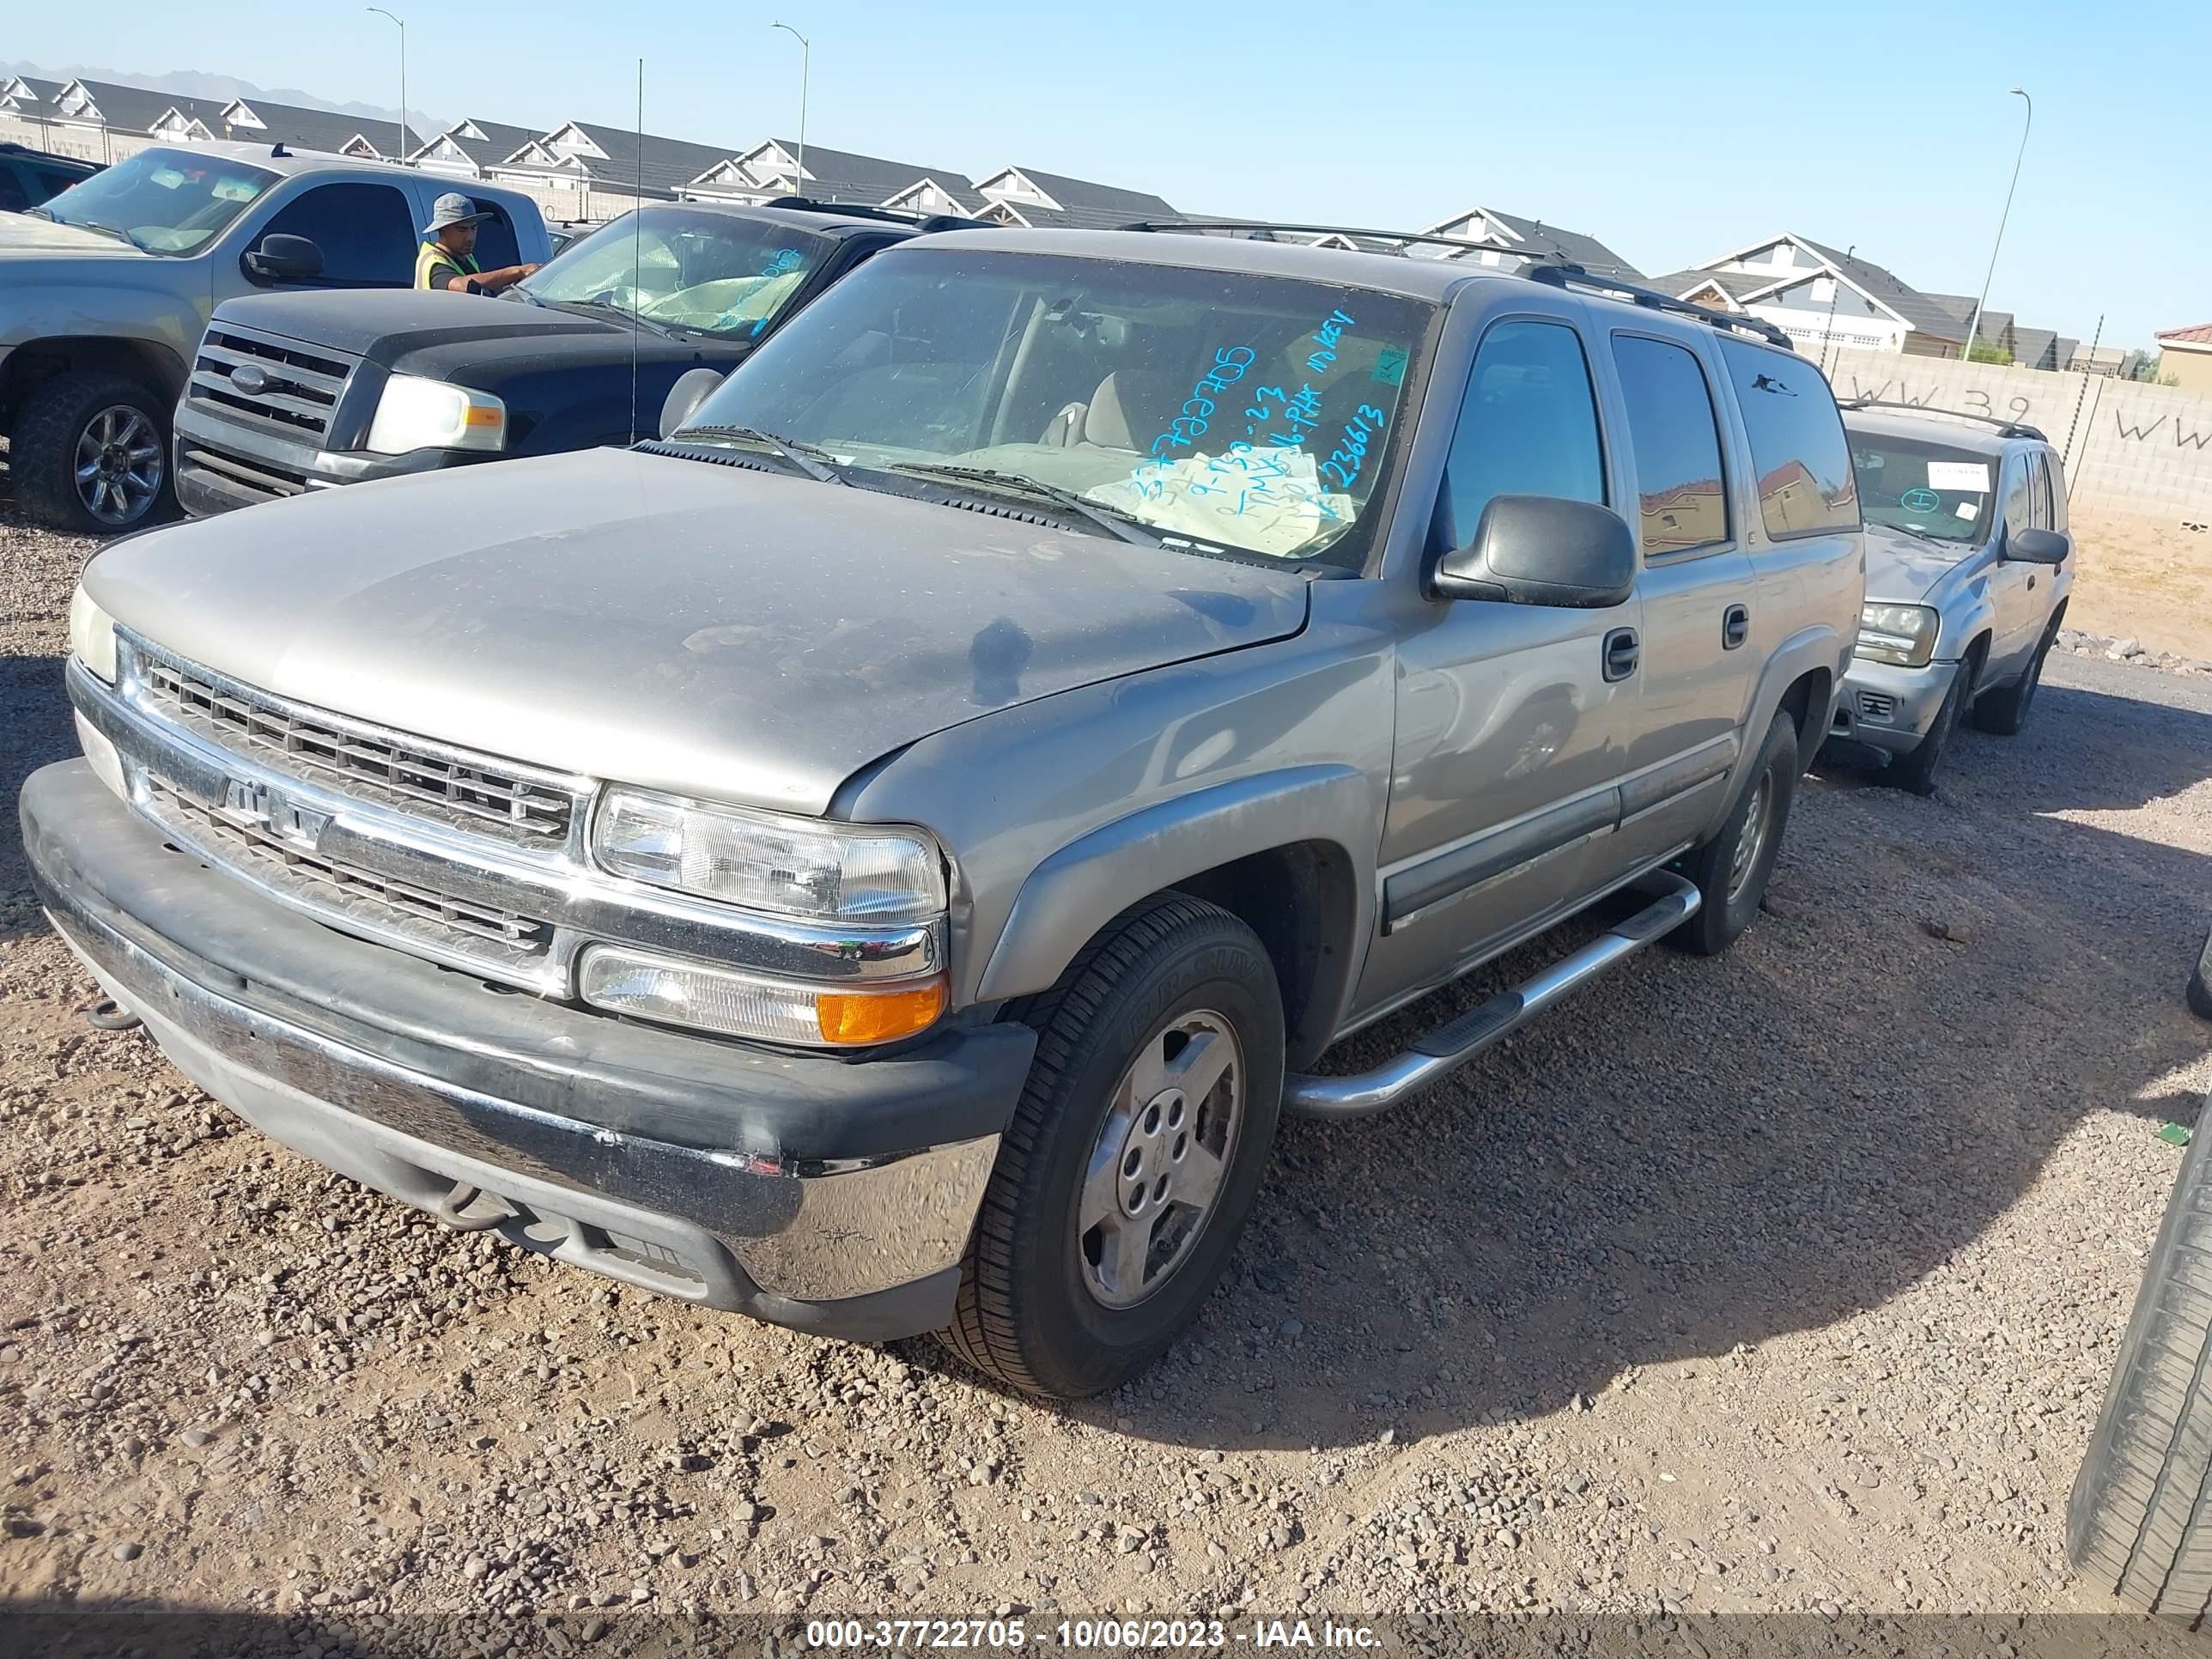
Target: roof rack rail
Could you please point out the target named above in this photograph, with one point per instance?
(1563, 274)
(2005, 428)
(894, 215)
(1411, 237)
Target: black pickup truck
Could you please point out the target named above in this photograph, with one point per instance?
(291, 392)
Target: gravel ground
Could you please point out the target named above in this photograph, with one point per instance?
(1786, 1282)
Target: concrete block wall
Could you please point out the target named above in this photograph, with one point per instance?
(2129, 447)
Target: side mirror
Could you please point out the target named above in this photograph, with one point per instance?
(2039, 546)
(282, 258)
(691, 389)
(1540, 549)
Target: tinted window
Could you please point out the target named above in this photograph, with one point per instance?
(2043, 516)
(1805, 483)
(365, 231)
(1676, 438)
(52, 181)
(2019, 496)
(13, 198)
(496, 247)
(1528, 426)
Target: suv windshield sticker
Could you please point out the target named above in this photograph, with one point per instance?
(1957, 475)
(1389, 366)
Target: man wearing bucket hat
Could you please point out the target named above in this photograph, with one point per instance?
(446, 258)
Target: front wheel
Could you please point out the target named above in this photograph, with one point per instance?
(1134, 1155)
(2200, 984)
(1915, 769)
(90, 454)
(1732, 870)
(2005, 711)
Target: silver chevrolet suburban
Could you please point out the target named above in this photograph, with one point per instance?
(881, 857)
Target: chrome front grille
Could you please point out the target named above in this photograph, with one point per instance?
(270, 482)
(283, 386)
(491, 937)
(467, 791)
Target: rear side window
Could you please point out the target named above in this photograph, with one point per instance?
(1676, 438)
(366, 232)
(1805, 483)
(1528, 426)
(496, 247)
(13, 197)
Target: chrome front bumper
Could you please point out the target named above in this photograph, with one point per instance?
(828, 1195)
(1891, 707)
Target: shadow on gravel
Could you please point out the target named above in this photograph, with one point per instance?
(1699, 1155)
(35, 730)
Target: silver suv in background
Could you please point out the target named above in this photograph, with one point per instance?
(108, 286)
(1969, 565)
(882, 858)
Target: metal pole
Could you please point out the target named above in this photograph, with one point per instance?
(402, 154)
(1974, 323)
(805, 68)
(1835, 293)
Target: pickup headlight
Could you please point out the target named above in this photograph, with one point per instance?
(1904, 634)
(416, 413)
(785, 866)
(708, 997)
(92, 635)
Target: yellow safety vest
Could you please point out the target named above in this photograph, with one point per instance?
(432, 254)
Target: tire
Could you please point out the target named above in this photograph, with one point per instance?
(2004, 710)
(1915, 770)
(1730, 889)
(2139, 1524)
(1037, 1306)
(58, 431)
(2199, 991)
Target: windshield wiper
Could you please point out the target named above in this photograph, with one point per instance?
(816, 462)
(1113, 520)
(106, 230)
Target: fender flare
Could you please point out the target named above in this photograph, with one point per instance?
(1074, 893)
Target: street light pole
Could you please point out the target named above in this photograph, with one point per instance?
(805, 63)
(1974, 323)
(402, 21)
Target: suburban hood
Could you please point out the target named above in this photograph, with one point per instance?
(22, 236)
(737, 635)
(1901, 569)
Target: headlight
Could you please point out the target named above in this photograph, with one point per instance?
(1904, 634)
(414, 413)
(710, 999)
(92, 635)
(785, 866)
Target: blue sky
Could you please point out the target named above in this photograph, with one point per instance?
(1674, 134)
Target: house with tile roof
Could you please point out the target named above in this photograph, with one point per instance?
(2184, 356)
(1534, 238)
(582, 157)
(297, 127)
(773, 167)
(1027, 196)
(1818, 295)
(470, 148)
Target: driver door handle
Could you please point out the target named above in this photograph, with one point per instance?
(1735, 626)
(1621, 653)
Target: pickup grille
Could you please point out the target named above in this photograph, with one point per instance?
(467, 791)
(282, 385)
(342, 890)
(270, 482)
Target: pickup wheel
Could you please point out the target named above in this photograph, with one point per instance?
(90, 454)
(2005, 711)
(1134, 1155)
(1732, 869)
(2139, 1525)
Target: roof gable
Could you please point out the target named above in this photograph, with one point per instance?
(1539, 238)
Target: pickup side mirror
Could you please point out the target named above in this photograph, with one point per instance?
(691, 389)
(2033, 546)
(282, 258)
(1541, 549)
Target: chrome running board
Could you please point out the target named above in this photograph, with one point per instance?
(1444, 1050)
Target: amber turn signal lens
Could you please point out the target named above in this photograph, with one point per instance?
(879, 1016)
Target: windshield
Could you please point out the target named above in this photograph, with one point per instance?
(714, 272)
(1935, 490)
(1252, 413)
(165, 201)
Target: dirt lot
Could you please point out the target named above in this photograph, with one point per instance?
(1787, 1281)
(2144, 578)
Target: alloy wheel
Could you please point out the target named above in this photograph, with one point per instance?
(119, 464)
(1758, 824)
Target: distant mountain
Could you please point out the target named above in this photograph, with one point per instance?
(192, 83)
